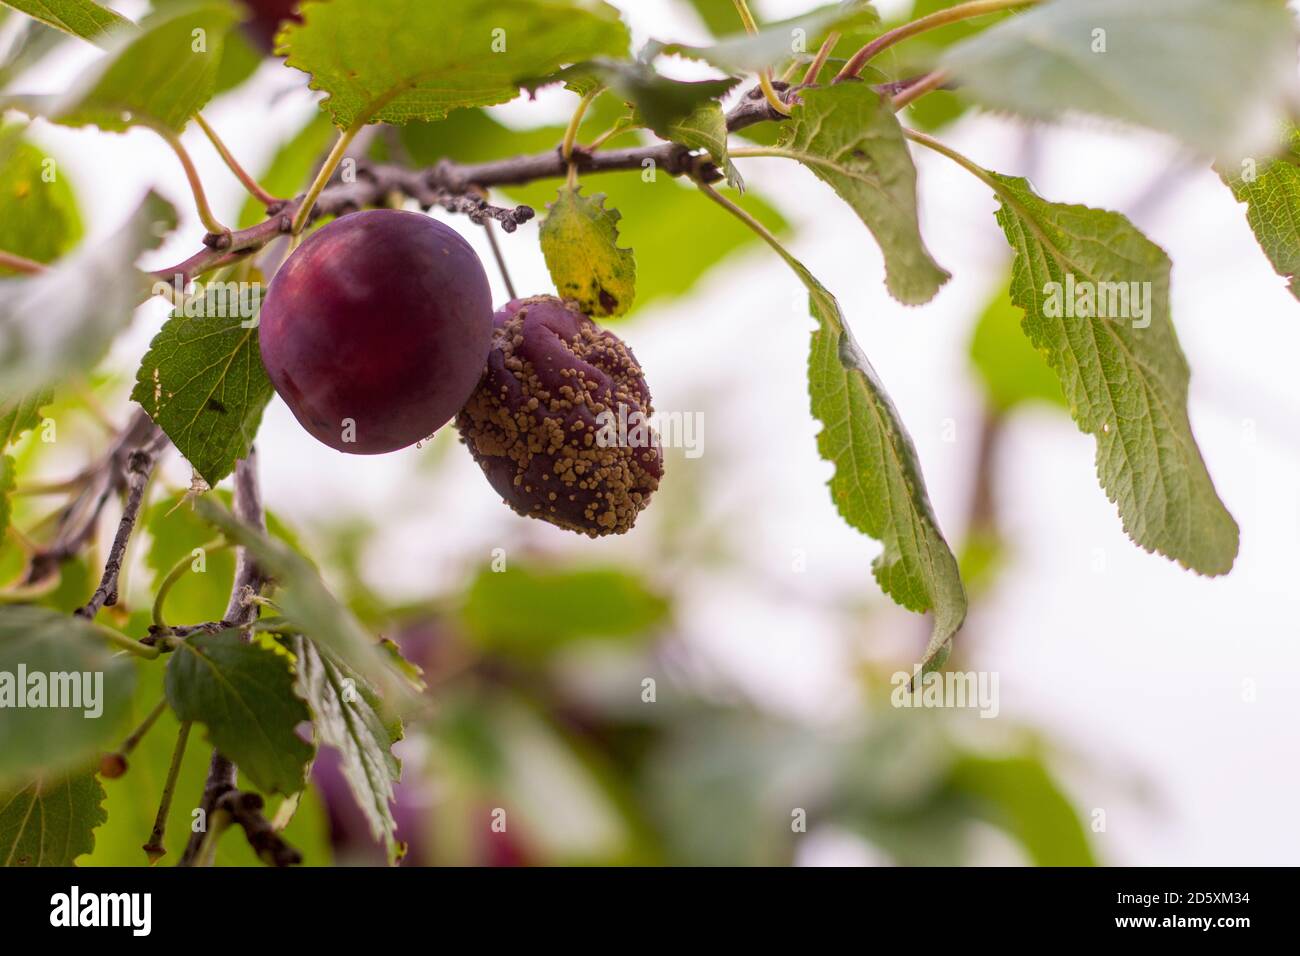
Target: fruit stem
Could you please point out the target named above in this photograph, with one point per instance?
(154, 848)
(146, 725)
(175, 574)
(9, 260)
(251, 184)
(963, 11)
(928, 83)
(323, 175)
(501, 261)
(210, 222)
(819, 61)
(764, 76)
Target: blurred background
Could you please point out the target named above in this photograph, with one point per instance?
(713, 688)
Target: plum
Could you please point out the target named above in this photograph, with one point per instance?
(267, 15)
(377, 329)
(540, 421)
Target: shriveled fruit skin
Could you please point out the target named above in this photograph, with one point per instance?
(376, 330)
(554, 382)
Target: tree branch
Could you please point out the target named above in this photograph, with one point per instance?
(240, 612)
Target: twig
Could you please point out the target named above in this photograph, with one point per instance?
(139, 468)
(153, 847)
(245, 809)
(240, 612)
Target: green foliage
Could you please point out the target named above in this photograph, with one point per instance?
(50, 822)
(155, 76)
(244, 694)
(580, 242)
(17, 415)
(79, 18)
(1124, 377)
(531, 610)
(60, 323)
(202, 379)
(376, 61)
(1271, 190)
(848, 136)
(348, 716)
(1012, 371)
(746, 53)
(38, 211)
(1211, 72)
(40, 737)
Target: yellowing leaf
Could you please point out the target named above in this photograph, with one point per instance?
(580, 242)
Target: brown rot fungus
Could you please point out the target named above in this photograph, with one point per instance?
(560, 422)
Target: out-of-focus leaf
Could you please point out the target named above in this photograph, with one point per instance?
(1123, 372)
(848, 136)
(21, 413)
(62, 658)
(349, 717)
(244, 694)
(377, 62)
(1012, 370)
(580, 242)
(1270, 188)
(747, 53)
(60, 323)
(50, 822)
(1217, 74)
(1018, 795)
(79, 18)
(158, 75)
(534, 610)
(38, 211)
(202, 380)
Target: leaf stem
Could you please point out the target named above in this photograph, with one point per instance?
(764, 75)
(251, 184)
(759, 229)
(176, 573)
(323, 176)
(963, 11)
(120, 640)
(146, 725)
(571, 133)
(819, 61)
(927, 84)
(210, 221)
(969, 165)
(154, 848)
(17, 263)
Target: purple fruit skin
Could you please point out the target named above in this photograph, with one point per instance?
(267, 16)
(383, 317)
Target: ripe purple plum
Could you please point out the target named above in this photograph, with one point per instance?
(543, 422)
(267, 15)
(377, 329)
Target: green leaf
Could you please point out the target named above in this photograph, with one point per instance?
(50, 822)
(1018, 794)
(1270, 188)
(202, 379)
(92, 693)
(306, 601)
(21, 414)
(414, 60)
(80, 18)
(1217, 74)
(38, 211)
(748, 53)
(533, 610)
(848, 136)
(244, 693)
(7, 486)
(580, 243)
(348, 716)
(877, 486)
(1125, 377)
(1012, 371)
(61, 322)
(706, 128)
(153, 76)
